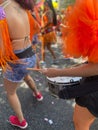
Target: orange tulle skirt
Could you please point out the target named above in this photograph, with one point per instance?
(82, 36)
(49, 38)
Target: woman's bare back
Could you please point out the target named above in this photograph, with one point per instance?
(18, 24)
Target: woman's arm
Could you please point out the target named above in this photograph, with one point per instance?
(84, 70)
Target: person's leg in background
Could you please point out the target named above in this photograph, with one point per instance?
(82, 118)
(43, 52)
(51, 50)
(37, 61)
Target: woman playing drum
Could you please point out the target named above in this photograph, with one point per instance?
(82, 40)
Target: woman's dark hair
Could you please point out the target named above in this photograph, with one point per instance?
(26, 4)
(49, 2)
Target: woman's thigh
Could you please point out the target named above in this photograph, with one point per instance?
(10, 87)
(83, 116)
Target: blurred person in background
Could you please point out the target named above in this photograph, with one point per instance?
(48, 34)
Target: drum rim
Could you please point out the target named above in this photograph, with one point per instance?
(55, 82)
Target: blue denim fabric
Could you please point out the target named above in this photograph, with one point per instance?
(18, 70)
(35, 39)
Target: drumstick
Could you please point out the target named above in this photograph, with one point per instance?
(35, 69)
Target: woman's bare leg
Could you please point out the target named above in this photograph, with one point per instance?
(82, 118)
(43, 52)
(13, 99)
(37, 61)
(31, 84)
(51, 50)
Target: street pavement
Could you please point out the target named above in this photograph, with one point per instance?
(51, 113)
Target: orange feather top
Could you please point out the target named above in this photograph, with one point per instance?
(82, 36)
(6, 51)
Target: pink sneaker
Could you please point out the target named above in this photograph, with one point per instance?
(38, 96)
(15, 122)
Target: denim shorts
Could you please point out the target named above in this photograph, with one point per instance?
(19, 70)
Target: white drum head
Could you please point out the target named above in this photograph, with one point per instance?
(64, 79)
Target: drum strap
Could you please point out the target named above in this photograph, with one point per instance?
(87, 85)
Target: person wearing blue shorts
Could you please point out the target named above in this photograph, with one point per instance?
(17, 28)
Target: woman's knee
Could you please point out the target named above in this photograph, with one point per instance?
(80, 124)
(11, 90)
(82, 117)
(10, 87)
(76, 120)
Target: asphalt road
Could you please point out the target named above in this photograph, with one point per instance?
(50, 114)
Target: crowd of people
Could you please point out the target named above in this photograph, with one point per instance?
(19, 33)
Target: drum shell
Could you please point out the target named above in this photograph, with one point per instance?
(74, 89)
(55, 88)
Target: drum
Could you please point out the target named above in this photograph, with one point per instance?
(58, 85)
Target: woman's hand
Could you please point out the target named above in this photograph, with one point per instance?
(50, 72)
